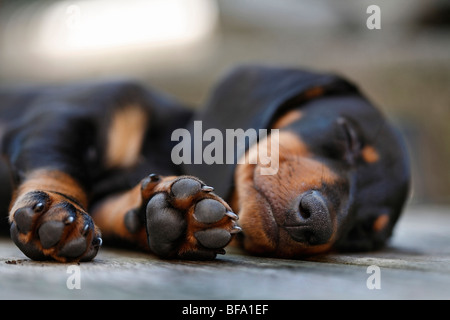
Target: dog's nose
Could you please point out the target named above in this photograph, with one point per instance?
(315, 225)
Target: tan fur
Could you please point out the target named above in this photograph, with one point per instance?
(381, 222)
(370, 154)
(49, 180)
(125, 136)
(287, 119)
(109, 215)
(314, 93)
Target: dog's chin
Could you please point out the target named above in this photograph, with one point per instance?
(293, 244)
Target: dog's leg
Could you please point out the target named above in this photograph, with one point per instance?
(174, 217)
(48, 210)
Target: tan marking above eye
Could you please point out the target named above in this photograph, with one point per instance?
(287, 119)
(369, 154)
(314, 92)
(289, 144)
(125, 136)
(381, 222)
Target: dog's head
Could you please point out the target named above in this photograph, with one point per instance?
(342, 180)
(341, 175)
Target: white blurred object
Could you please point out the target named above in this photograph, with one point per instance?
(104, 24)
(90, 25)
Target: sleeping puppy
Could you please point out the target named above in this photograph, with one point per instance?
(285, 161)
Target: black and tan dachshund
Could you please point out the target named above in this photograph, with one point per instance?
(117, 161)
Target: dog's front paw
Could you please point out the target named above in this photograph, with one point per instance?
(47, 225)
(185, 219)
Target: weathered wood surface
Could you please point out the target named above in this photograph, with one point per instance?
(416, 265)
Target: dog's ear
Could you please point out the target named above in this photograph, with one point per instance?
(352, 143)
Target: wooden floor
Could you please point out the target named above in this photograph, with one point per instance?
(416, 265)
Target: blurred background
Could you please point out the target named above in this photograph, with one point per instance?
(184, 46)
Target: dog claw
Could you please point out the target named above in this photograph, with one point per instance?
(69, 220)
(236, 229)
(85, 229)
(232, 215)
(39, 207)
(93, 249)
(97, 242)
(207, 189)
(151, 178)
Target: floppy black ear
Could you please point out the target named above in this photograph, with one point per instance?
(352, 140)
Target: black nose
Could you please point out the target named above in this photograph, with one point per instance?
(313, 219)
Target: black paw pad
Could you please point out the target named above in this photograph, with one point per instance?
(24, 219)
(132, 221)
(213, 238)
(185, 188)
(164, 225)
(74, 248)
(209, 211)
(29, 249)
(50, 233)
